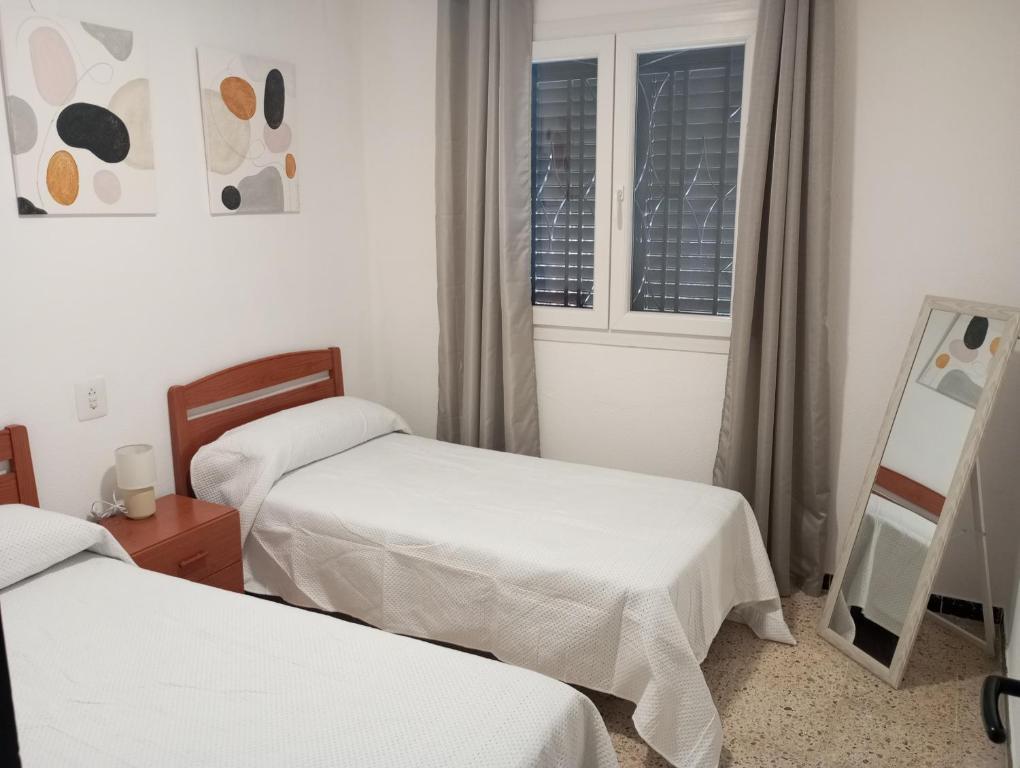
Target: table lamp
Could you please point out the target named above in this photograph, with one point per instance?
(136, 479)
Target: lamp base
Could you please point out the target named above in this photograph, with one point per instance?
(140, 503)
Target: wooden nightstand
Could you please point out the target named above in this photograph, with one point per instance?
(192, 539)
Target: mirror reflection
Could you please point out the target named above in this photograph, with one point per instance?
(908, 493)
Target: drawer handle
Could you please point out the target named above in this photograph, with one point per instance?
(190, 564)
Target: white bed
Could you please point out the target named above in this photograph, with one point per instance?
(611, 580)
(113, 665)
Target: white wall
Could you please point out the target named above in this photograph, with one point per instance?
(925, 200)
(646, 410)
(152, 301)
(398, 95)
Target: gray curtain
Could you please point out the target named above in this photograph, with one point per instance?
(487, 392)
(774, 442)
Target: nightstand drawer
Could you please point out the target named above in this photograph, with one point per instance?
(230, 578)
(196, 553)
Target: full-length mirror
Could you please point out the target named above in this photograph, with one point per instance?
(919, 471)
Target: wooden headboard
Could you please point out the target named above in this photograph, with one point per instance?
(246, 385)
(17, 485)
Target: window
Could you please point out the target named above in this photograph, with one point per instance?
(563, 182)
(635, 158)
(687, 131)
(571, 165)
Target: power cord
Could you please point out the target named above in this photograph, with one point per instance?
(103, 509)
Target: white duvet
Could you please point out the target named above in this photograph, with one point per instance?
(115, 666)
(607, 579)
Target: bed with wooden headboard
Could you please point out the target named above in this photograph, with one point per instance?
(338, 533)
(202, 410)
(17, 484)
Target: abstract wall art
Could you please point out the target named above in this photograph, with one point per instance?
(249, 119)
(78, 117)
(959, 367)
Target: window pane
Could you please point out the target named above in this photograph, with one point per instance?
(687, 132)
(563, 183)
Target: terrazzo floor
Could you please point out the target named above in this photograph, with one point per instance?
(809, 706)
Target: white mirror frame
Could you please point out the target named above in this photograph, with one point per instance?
(893, 674)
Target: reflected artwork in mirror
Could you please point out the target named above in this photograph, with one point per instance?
(923, 462)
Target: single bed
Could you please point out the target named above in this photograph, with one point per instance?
(611, 580)
(114, 665)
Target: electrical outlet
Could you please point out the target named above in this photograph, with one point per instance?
(90, 398)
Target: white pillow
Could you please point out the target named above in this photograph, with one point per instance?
(32, 540)
(240, 468)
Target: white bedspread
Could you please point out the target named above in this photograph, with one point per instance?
(608, 579)
(31, 541)
(115, 666)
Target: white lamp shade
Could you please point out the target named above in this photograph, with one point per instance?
(136, 467)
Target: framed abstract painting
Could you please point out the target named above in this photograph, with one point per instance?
(248, 117)
(78, 117)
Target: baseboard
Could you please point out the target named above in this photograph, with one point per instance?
(948, 606)
(964, 609)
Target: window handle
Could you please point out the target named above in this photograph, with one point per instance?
(619, 208)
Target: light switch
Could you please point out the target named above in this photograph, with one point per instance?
(90, 398)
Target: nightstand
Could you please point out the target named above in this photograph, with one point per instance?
(188, 538)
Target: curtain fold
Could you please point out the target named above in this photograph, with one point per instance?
(774, 441)
(487, 390)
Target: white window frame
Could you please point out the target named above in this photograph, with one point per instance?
(603, 49)
(610, 320)
(628, 46)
